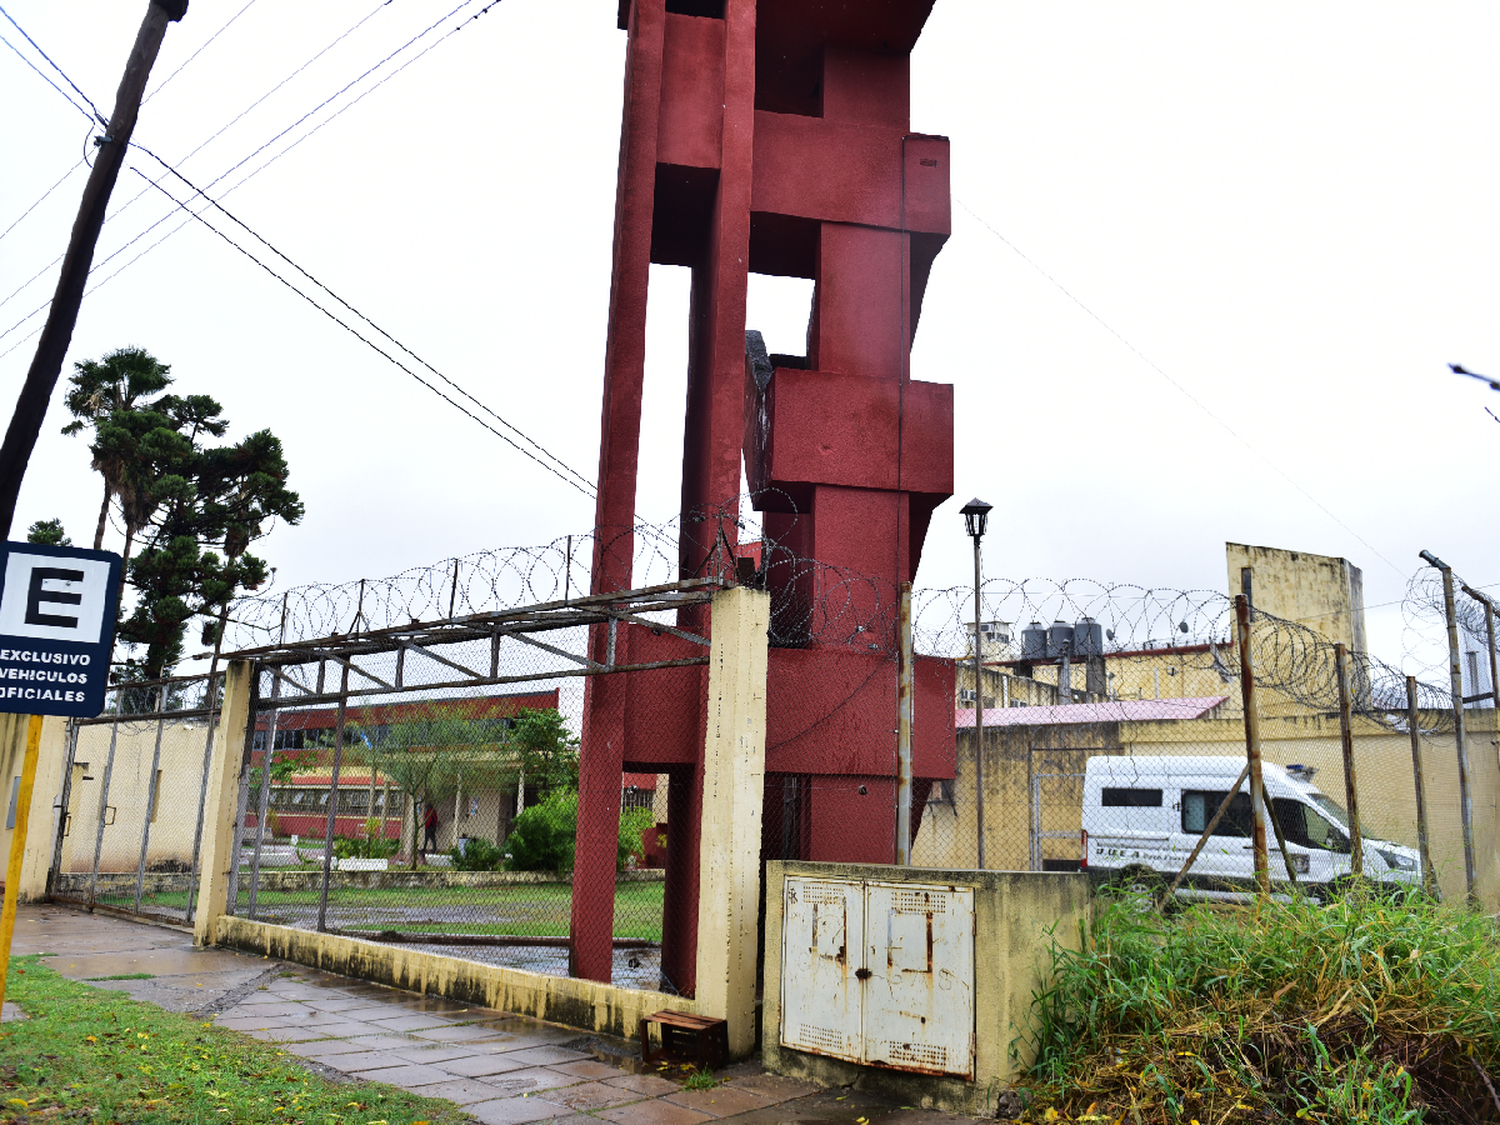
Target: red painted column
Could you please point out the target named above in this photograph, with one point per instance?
(603, 743)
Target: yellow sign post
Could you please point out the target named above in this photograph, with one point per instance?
(18, 848)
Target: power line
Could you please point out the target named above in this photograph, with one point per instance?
(573, 480)
(1179, 387)
(196, 53)
(117, 252)
(97, 115)
(239, 222)
(42, 200)
(557, 466)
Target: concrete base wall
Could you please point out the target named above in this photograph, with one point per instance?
(1018, 918)
(583, 1004)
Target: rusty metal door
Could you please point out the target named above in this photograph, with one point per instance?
(919, 995)
(822, 932)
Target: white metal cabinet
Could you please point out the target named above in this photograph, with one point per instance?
(879, 973)
(822, 931)
(919, 998)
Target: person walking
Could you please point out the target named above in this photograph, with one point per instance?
(429, 826)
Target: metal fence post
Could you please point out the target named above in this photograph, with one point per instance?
(333, 800)
(1429, 877)
(1456, 685)
(1252, 745)
(109, 769)
(903, 734)
(152, 796)
(263, 804)
(1346, 740)
(64, 802)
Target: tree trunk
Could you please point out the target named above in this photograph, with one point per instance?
(103, 520)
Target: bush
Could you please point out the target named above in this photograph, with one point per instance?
(1365, 1010)
(371, 845)
(543, 836)
(634, 823)
(478, 854)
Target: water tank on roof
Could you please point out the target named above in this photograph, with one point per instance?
(1060, 639)
(1034, 642)
(1088, 637)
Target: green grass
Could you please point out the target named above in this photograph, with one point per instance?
(92, 1055)
(518, 910)
(1366, 1010)
(126, 976)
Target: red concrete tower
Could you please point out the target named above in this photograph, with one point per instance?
(773, 136)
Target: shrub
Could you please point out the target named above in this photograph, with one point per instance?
(542, 838)
(371, 846)
(1368, 1009)
(634, 823)
(478, 854)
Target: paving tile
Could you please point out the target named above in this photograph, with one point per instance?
(589, 1096)
(545, 1056)
(774, 1087)
(587, 1068)
(325, 1048)
(261, 1011)
(650, 1085)
(394, 1022)
(350, 1061)
(436, 1054)
(383, 1042)
(335, 1003)
(456, 1033)
(255, 1023)
(459, 1090)
(530, 1080)
(477, 1066)
(516, 1111)
(403, 1074)
(283, 1034)
(364, 1010)
(346, 1029)
(722, 1101)
(653, 1113)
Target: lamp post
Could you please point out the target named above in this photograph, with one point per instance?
(976, 516)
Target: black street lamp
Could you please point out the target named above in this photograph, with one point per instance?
(976, 517)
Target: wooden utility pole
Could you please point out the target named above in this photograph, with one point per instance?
(31, 407)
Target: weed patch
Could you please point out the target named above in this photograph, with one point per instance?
(1365, 1010)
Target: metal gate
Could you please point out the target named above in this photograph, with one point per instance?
(1056, 821)
(133, 796)
(358, 740)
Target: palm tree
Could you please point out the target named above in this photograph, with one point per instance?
(102, 394)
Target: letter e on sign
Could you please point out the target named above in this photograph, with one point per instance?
(52, 599)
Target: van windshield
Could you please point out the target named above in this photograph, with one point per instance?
(1332, 809)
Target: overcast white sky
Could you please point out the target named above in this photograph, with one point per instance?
(1284, 213)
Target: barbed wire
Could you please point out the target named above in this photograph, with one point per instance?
(1141, 634)
(811, 601)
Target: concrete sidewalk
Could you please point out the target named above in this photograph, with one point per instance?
(503, 1069)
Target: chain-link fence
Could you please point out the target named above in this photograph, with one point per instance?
(1113, 737)
(422, 786)
(134, 794)
(436, 759)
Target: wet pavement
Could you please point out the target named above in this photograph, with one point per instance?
(503, 1069)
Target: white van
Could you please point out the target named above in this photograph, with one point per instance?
(1142, 817)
